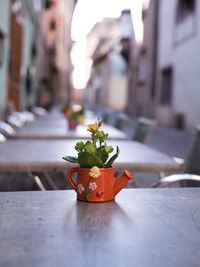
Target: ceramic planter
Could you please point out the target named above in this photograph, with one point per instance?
(72, 124)
(97, 189)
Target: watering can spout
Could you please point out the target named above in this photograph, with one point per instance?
(121, 181)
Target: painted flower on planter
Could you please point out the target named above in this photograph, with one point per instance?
(95, 172)
(93, 186)
(99, 194)
(80, 188)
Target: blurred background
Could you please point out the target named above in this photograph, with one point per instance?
(139, 57)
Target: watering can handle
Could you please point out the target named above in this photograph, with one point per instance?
(69, 178)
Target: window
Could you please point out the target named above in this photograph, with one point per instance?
(48, 4)
(142, 73)
(1, 46)
(184, 9)
(52, 25)
(166, 86)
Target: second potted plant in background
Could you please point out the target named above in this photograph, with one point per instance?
(74, 114)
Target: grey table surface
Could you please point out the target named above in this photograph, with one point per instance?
(142, 227)
(46, 155)
(42, 128)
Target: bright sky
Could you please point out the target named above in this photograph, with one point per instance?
(87, 13)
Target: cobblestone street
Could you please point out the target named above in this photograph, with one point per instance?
(170, 141)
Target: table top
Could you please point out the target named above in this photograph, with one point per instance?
(46, 155)
(51, 128)
(142, 227)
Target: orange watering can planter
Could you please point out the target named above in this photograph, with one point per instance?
(97, 189)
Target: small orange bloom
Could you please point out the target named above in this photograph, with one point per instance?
(92, 126)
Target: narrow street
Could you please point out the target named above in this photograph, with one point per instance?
(170, 141)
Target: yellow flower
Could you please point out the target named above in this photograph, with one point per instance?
(82, 118)
(92, 126)
(95, 172)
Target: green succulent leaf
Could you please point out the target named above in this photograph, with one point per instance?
(95, 152)
(108, 149)
(112, 159)
(92, 131)
(88, 160)
(99, 122)
(103, 155)
(101, 134)
(80, 146)
(90, 147)
(71, 159)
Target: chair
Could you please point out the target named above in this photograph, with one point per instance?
(193, 160)
(144, 129)
(29, 115)
(18, 119)
(6, 129)
(191, 174)
(176, 178)
(13, 121)
(39, 111)
(2, 138)
(121, 121)
(106, 115)
(20, 116)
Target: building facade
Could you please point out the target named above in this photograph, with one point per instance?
(178, 90)
(108, 47)
(34, 52)
(142, 67)
(163, 73)
(4, 53)
(17, 67)
(54, 52)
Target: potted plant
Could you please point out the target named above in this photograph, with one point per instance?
(66, 108)
(95, 179)
(74, 114)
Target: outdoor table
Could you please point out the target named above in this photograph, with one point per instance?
(142, 227)
(51, 117)
(58, 129)
(59, 116)
(46, 156)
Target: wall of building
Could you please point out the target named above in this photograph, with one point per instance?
(54, 53)
(141, 69)
(4, 26)
(108, 83)
(99, 84)
(117, 87)
(179, 48)
(146, 63)
(29, 31)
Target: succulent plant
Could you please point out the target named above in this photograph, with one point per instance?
(73, 112)
(95, 152)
